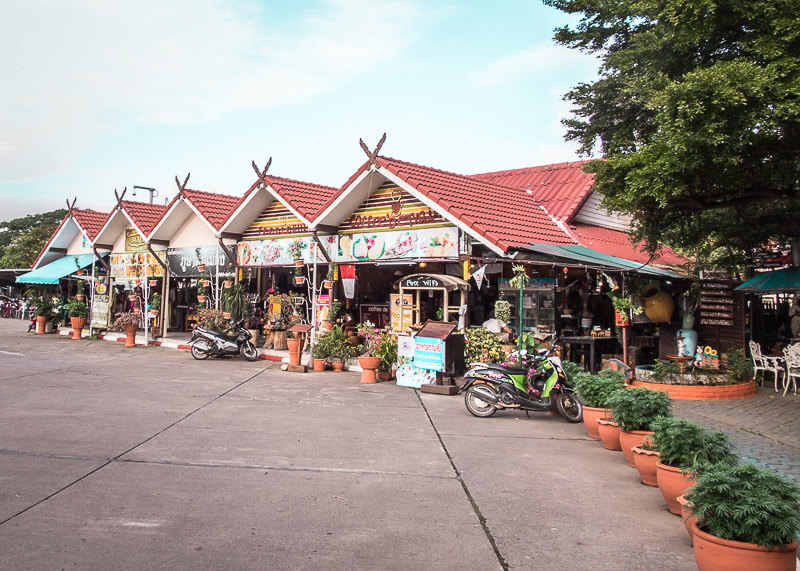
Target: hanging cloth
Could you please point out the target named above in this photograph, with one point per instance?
(348, 272)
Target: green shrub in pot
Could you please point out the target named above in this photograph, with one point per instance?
(637, 408)
(595, 390)
(742, 502)
(684, 444)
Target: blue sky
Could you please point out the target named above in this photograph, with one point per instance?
(104, 94)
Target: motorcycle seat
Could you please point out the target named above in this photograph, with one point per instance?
(508, 370)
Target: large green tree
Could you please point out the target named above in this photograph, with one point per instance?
(21, 239)
(696, 113)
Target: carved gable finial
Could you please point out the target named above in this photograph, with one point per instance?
(262, 175)
(71, 207)
(373, 155)
(182, 187)
(120, 196)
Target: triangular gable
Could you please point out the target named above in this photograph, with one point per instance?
(276, 220)
(76, 222)
(211, 208)
(389, 207)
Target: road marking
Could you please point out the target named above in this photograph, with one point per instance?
(12, 353)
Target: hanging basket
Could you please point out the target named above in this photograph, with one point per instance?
(202, 298)
(206, 283)
(227, 284)
(621, 318)
(299, 263)
(79, 296)
(153, 283)
(298, 280)
(201, 267)
(154, 312)
(327, 284)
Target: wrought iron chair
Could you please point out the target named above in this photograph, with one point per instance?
(792, 359)
(763, 363)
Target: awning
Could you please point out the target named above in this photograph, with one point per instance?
(787, 279)
(52, 272)
(584, 255)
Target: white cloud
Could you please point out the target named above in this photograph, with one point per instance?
(73, 70)
(541, 60)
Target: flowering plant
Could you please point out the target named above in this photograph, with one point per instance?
(125, 320)
(370, 336)
(387, 351)
(211, 319)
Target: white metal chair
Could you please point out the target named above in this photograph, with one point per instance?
(792, 359)
(763, 363)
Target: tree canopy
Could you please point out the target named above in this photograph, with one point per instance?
(696, 113)
(21, 239)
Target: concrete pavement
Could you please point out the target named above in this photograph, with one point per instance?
(146, 458)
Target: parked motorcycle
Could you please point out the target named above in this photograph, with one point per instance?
(207, 342)
(540, 384)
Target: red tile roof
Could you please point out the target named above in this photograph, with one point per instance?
(212, 206)
(307, 198)
(144, 215)
(616, 243)
(91, 221)
(506, 217)
(562, 188)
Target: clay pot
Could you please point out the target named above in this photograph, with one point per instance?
(590, 417)
(153, 283)
(298, 280)
(202, 298)
(609, 433)
(338, 366)
(319, 365)
(621, 318)
(293, 343)
(79, 296)
(130, 331)
(201, 267)
(687, 514)
(658, 305)
(299, 263)
(645, 461)
(673, 483)
(206, 283)
(383, 377)
(131, 298)
(137, 309)
(227, 284)
(629, 439)
(711, 553)
(41, 324)
(368, 367)
(78, 323)
(226, 315)
(327, 284)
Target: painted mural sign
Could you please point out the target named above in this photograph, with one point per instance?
(440, 242)
(389, 208)
(276, 251)
(129, 265)
(275, 220)
(134, 241)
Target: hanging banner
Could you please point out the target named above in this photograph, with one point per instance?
(348, 272)
(479, 275)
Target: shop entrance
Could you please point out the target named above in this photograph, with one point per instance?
(435, 297)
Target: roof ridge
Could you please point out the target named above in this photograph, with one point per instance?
(551, 166)
(296, 181)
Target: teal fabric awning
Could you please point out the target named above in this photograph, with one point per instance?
(775, 281)
(54, 271)
(583, 255)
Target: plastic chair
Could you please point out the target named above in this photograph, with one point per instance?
(792, 357)
(762, 363)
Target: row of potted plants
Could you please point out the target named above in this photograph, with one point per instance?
(378, 351)
(727, 507)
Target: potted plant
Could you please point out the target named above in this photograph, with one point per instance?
(155, 304)
(226, 304)
(369, 362)
(635, 410)
(43, 312)
(129, 322)
(684, 445)
(594, 391)
(299, 278)
(333, 314)
(320, 352)
(387, 351)
(77, 315)
(624, 308)
(747, 518)
(340, 348)
(79, 292)
(327, 283)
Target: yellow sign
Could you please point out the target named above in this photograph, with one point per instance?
(401, 306)
(134, 241)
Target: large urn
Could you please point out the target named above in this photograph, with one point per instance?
(658, 305)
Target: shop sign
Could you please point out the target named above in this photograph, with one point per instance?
(429, 353)
(323, 308)
(716, 299)
(129, 265)
(377, 314)
(389, 207)
(424, 282)
(440, 242)
(275, 251)
(275, 220)
(401, 305)
(408, 375)
(134, 241)
(183, 262)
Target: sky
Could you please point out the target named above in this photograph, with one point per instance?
(99, 95)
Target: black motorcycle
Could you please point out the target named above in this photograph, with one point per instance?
(539, 384)
(207, 342)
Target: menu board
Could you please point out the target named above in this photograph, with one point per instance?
(101, 305)
(377, 314)
(401, 306)
(716, 299)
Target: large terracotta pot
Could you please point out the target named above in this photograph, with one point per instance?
(368, 367)
(293, 343)
(673, 483)
(130, 331)
(629, 439)
(712, 553)
(338, 366)
(609, 433)
(41, 324)
(689, 519)
(645, 461)
(658, 305)
(78, 323)
(319, 365)
(590, 417)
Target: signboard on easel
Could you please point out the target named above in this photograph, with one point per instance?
(101, 305)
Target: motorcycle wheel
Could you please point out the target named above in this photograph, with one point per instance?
(249, 351)
(201, 349)
(476, 405)
(569, 406)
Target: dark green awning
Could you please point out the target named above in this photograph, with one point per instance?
(583, 255)
(787, 279)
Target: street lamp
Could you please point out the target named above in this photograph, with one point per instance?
(153, 192)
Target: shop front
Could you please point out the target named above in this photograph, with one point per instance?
(199, 271)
